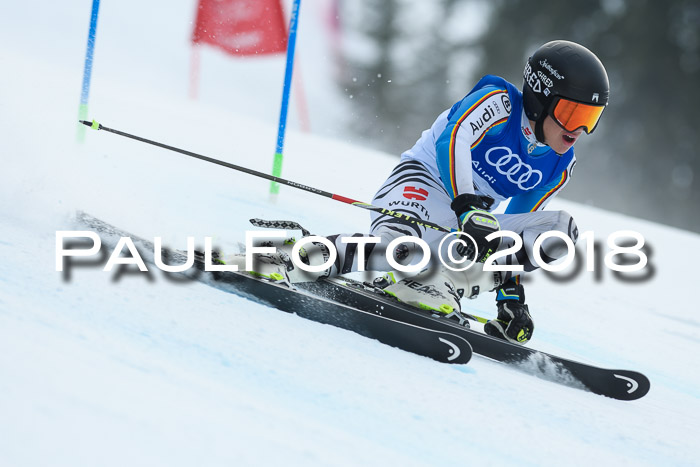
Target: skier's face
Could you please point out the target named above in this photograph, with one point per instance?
(558, 138)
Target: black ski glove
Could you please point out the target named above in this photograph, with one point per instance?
(477, 222)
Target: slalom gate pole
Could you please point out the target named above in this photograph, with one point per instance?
(87, 70)
(291, 45)
(400, 217)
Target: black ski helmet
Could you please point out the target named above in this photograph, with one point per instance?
(563, 70)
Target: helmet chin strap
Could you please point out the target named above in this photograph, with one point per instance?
(539, 128)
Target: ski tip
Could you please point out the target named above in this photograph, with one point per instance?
(622, 385)
(629, 385)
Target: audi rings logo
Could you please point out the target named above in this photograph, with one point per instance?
(510, 165)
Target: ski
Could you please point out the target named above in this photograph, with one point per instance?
(617, 384)
(364, 309)
(435, 342)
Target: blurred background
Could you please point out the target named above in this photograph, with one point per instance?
(376, 73)
(644, 158)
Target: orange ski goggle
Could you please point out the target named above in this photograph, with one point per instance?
(572, 115)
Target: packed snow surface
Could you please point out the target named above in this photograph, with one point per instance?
(130, 368)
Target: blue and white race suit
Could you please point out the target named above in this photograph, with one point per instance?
(482, 145)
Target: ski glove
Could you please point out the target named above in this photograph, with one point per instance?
(478, 223)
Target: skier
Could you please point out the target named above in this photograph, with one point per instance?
(495, 144)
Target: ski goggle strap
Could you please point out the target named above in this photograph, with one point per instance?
(572, 115)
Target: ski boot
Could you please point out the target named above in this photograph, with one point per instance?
(439, 290)
(513, 322)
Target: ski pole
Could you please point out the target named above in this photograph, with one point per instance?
(401, 217)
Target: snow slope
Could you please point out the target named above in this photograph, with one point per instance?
(134, 369)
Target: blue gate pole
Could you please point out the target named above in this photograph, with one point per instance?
(87, 70)
(291, 42)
